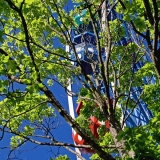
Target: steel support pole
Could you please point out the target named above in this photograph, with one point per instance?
(71, 107)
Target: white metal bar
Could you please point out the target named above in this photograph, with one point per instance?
(71, 107)
(70, 102)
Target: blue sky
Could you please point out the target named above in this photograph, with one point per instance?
(63, 133)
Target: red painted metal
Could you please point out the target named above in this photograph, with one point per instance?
(77, 138)
(80, 105)
(94, 126)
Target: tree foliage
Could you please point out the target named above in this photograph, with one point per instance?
(33, 35)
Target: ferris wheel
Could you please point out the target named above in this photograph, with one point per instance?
(84, 39)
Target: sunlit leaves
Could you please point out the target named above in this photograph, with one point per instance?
(135, 11)
(106, 142)
(65, 157)
(50, 82)
(15, 141)
(141, 141)
(33, 39)
(152, 97)
(30, 107)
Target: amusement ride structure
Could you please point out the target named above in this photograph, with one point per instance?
(84, 39)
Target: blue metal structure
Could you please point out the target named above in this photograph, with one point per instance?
(84, 39)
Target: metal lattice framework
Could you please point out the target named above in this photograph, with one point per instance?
(84, 39)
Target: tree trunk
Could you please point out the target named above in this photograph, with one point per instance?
(75, 125)
(157, 62)
(114, 130)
